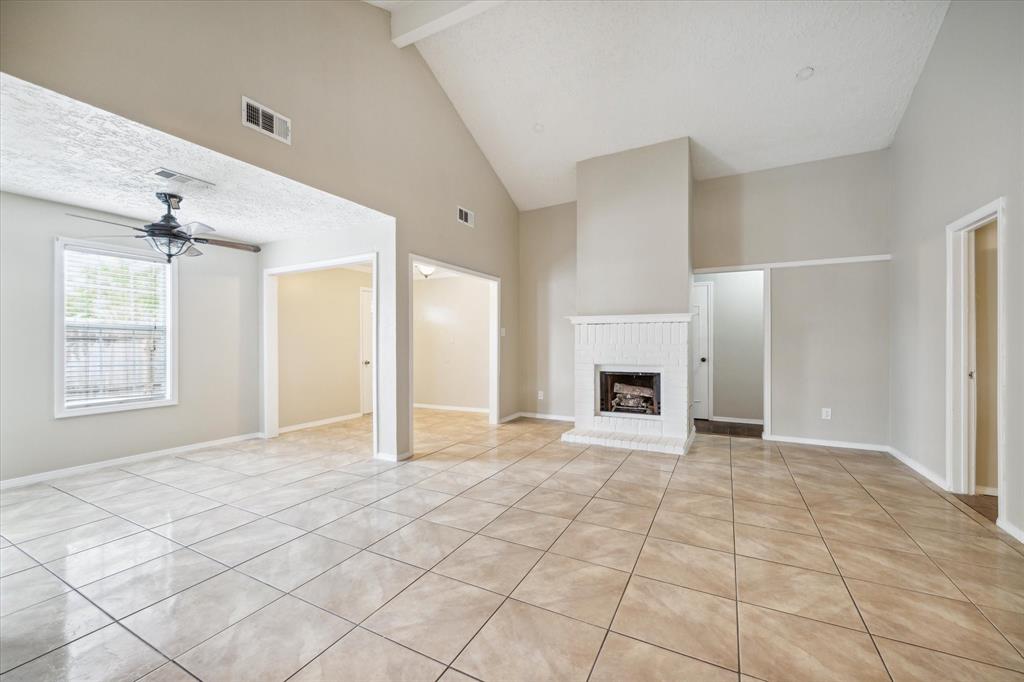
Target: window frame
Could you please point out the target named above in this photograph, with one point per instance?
(60, 409)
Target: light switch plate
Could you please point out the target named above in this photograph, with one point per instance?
(826, 413)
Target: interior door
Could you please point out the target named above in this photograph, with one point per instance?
(700, 356)
(366, 313)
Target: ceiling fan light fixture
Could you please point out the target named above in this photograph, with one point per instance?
(168, 246)
(425, 270)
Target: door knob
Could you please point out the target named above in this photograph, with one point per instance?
(366, 362)
(703, 359)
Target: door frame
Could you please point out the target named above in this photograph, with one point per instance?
(710, 286)
(364, 408)
(960, 404)
(271, 410)
(494, 340)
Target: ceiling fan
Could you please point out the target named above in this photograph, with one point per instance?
(170, 238)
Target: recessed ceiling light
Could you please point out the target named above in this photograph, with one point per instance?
(538, 127)
(805, 73)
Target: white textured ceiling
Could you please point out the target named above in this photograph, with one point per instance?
(602, 77)
(56, 148)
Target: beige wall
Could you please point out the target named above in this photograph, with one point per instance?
(633, 231)
(217, 378)
(823, 209)
(830, 335)
(451, 337)
(959, 146)
(318, 344)
(985, 322)
(547, 296)
(370, 124)
(738, 343)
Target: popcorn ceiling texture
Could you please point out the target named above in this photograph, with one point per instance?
(60, 149)
(602, 77)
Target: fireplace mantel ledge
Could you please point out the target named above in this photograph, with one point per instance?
(629, 319)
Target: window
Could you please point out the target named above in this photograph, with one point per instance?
(115, 340)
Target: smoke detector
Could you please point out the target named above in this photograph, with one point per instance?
(266, 120)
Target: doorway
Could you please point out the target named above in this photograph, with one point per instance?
(320, 327)
(729, 352)
(454, 344)
(975, 373)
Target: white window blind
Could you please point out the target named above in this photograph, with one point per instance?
(115, 328)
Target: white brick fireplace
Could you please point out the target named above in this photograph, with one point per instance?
(643, 345)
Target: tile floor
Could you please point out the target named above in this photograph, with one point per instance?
(500, 553)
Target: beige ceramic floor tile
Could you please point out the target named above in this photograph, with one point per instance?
(574, 588)
(193, 529)
(465, 514)
(1010, 623)
(168, 672)
(421, 543)
(359, 586)
(698, 568)
(631, 493)
(553, 503)
(971, 549)
(364, 527)
(243, 543)
(178, 623)
(361, 655)
(489, 563)
(778, 646)
(617, 515)
(28, 587)
(623, 658)
(316, 512)
(691, 529)
(76, 539)
(436, 616)
(699, 504)
(412, 501)
(522, 642)
(111, 653)
(814, 595)
(784, 548)
(526, 528)
(954, 627)
(776, 517)
(99, 562)
(908, 663)
(298, 561)
(271, 644)
(498, 492)
(692, 623)
(854, 529)
(449, 482)
(599, 545)
(1001, 588)
(898, 569)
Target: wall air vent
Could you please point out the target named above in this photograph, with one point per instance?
(267, 121)
(466, 217)
(180, 178)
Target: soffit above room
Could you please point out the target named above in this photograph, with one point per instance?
(56, 148)
(543, 85)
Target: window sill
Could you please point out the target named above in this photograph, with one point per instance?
(62, 412)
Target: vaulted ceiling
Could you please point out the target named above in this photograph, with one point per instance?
(542, 85)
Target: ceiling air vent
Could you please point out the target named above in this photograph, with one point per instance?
(466, 217)
(267, 121)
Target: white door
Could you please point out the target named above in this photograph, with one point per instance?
(366, 350)
(700, 306)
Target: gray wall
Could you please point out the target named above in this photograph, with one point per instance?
(217, 378)
(633, 231)
(547, 296)
(823, 209)
(738, 343)
(959, 146)
(830, 336)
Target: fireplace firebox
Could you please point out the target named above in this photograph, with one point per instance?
(630, 392)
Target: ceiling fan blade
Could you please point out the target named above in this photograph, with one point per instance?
(108, 222)
(195, 228)
(192, 252)
(241, 246)
(113, 236)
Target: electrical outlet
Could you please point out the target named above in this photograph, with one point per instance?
(540, 395)
(826, 413)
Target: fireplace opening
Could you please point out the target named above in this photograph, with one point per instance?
(630, 392)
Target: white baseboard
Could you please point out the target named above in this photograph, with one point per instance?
(129, 459)
(1010, 528)
(539, 415)
(737, 420)
(918, 467)
(983, 490)
(319, 422)
(452, 408)
(825, 443)
(690, 439)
